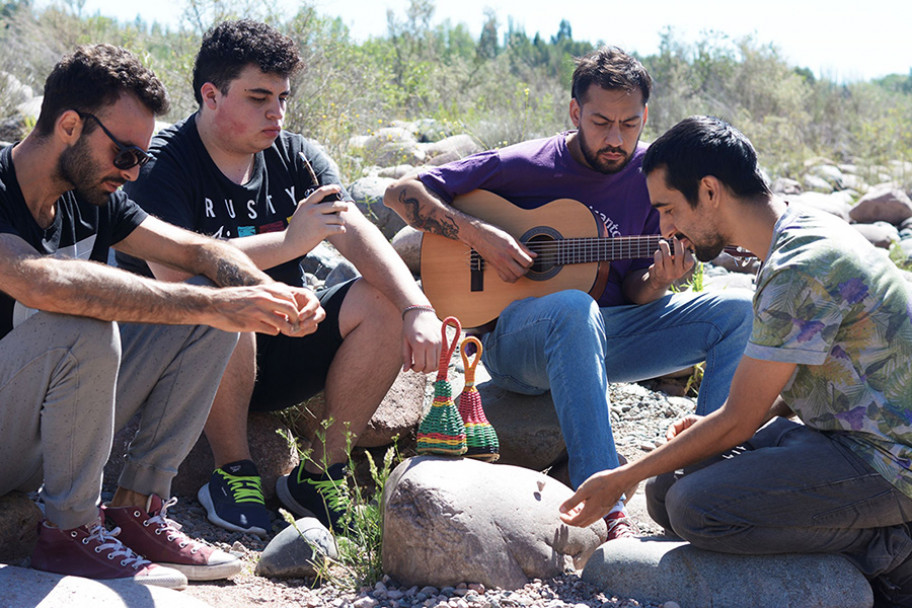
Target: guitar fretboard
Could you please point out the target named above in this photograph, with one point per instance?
(585, 250)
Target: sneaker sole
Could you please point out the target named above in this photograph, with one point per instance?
(166, 581)
(206, 500)
(212, 572)
(288, 500)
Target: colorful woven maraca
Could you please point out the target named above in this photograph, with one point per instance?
(441, 431)
(481, 438)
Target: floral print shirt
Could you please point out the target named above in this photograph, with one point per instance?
(829, 301)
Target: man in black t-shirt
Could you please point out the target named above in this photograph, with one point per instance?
(84, 347)
(230, 171)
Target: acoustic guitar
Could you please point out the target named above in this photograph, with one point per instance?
(573, 253)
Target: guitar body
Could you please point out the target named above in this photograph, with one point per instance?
(473, 292)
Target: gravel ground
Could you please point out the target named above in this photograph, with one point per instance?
(639, 416)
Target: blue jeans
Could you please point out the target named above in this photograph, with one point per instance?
(792, 489)
(565, 343)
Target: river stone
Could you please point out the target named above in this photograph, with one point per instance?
(26, 587)
(883, 203)
(879, 234)
(657, 571)
(834, 203)
(295, 551)
(367, 193)
(453, 520)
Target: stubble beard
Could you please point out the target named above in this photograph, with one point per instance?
(76, 166)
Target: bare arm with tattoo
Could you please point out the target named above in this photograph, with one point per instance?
(423, 210)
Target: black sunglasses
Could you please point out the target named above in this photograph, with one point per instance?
(127, 156)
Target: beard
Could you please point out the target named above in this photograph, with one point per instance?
(707, 252)
(77, 167)
(593, 157)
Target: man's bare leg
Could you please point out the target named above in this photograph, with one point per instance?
(361, 373)
(226, 427)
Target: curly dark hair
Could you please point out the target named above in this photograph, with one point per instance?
(94, 76)
(610, 68)
(231, 46)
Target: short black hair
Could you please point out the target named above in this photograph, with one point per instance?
(231, 46)
(612, 69)
(95, 76)
(704, 145)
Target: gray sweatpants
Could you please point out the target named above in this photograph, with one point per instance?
(67, 383)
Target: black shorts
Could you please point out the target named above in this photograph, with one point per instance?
(291, 370)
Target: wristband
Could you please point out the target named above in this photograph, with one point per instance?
(417, 307)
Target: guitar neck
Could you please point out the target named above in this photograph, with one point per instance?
(596, 249)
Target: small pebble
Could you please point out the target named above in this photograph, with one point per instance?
(671, 604)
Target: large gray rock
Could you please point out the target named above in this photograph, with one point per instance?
(879, 234)
(658, 571)
(453, 520)
(297, 551)
(368, 195)
(26, 587)
(452, 148)
(19, 518)
(835, 203)
(399, 412)
(882, 203)
(407, 244)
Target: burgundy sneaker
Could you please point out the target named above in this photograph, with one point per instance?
(620, 526)
(158, 539)
(92, 551)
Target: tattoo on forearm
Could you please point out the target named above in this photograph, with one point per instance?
(445, 227)
(229, 274)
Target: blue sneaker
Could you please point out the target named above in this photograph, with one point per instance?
(233, 499)
(302, 494)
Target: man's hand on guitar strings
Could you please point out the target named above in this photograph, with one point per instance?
(671, 262)
(510, 258)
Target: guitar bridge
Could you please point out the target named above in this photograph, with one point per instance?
(476, 272)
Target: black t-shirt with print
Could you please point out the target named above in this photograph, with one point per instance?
(183, 186)
(80, 229)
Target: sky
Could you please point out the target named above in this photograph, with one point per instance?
(842, 40)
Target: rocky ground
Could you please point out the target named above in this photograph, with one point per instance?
(640, 417)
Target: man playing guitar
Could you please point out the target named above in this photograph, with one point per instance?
(569, 342)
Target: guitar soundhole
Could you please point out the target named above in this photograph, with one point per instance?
(545, 242)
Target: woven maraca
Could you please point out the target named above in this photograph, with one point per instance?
(481, 438)
(442, 431)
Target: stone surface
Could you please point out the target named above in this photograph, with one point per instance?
(453, 520)
(368, 195)
(882, 203)
(407, 243)
(399, 412)
(26, 587)
(879, 234)
(450, 149)
(658, 570)
(19, 518)
(835, 203)
(296, 550)
(271, 453)
(527, 426)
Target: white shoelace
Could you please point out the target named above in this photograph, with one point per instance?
(170, 526)
(108, 541)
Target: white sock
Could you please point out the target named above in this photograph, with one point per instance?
(619, 507)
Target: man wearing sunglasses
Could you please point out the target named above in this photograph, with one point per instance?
(84, 347)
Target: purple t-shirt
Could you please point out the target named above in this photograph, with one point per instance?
(532, 173)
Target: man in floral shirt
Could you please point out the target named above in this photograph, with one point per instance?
(831, 343)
